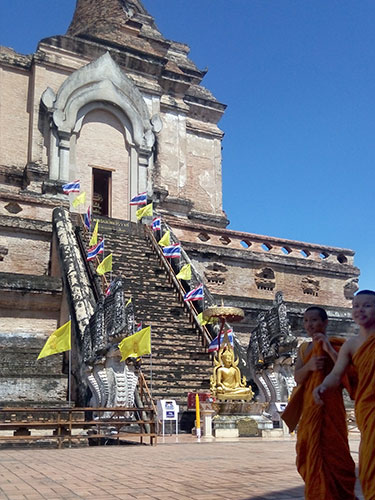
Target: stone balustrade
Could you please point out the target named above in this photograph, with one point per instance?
(238, 240)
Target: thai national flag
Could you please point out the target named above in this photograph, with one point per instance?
(156, 224)
(95, 250)
(138, 327)
(172, 252)
(72, 187)
(214, 345)
(140, 199)
(196, 294)
(88, 218)
(109, 288)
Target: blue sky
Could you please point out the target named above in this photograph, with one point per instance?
(298, 77)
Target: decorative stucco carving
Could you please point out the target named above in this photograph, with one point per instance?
(265, 279)
(310, 286)
(350, 288)
(100, 84)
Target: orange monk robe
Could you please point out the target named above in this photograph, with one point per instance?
(323, 455)
(364, 361)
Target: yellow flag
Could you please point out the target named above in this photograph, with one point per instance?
(136, 345)
(165, 240)
(205, 322)
(201, 320)
(58, 341)
(128, 302)
(94, 236)
(144, 211)
(185, 273)
(79, 200)
(105, 266)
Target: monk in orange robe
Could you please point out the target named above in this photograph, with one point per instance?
(323, 454)
(359, 350)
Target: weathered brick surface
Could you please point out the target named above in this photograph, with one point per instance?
(180, 364)
(14, 119)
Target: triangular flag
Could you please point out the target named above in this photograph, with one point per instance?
(144, 211)
(105, 266)
(185, 273)
(58, 341)
(128, 302)
(94, 236)
(136, 345)
(79, 200)
(201, 320)
(165, 240)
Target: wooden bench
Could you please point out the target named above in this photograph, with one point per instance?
(99, 423)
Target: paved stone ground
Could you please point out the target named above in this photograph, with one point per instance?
(178, 468)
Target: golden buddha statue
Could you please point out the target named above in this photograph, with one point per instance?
(226, 383)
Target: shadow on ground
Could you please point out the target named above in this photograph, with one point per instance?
(291, 494)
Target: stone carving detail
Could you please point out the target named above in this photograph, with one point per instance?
(350, 288)
(13, 208)
(310, 286)
(112, 382)
(3, 252)
(271, 353)
(265, 279)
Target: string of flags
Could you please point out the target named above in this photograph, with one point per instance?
(170, 251)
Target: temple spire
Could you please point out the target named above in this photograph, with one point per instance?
(111, 20)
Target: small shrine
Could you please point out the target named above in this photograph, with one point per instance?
(233, 398)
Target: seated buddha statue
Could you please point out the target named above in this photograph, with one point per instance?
(226, 380)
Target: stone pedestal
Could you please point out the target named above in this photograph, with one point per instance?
(240, 419)
(206, 421)
(225, 426)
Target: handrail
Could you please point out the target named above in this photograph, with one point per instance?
(194, 314)
(209, 298)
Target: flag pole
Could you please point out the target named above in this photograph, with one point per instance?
(151, 362)
(69, 376)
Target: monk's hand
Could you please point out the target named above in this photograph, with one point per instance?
(318, 393)
(316, 363)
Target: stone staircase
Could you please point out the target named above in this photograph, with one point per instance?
(180, 362)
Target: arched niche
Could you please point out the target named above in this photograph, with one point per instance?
(101, 85)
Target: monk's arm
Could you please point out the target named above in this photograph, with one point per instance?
(333, 379)
(302, 370)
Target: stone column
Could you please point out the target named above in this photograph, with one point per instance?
(64, 149)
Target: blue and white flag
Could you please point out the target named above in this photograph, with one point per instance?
(214, 345)
(156, 224)
(196, 294)
(140, 199)
(72, 187)
(172, 252)
(87, 219)
(95, 250)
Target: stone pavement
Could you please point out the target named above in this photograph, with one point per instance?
(178, 468)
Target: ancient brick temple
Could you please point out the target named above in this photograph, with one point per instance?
(115, 104)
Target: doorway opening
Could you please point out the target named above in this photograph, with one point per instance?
(101, 198)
